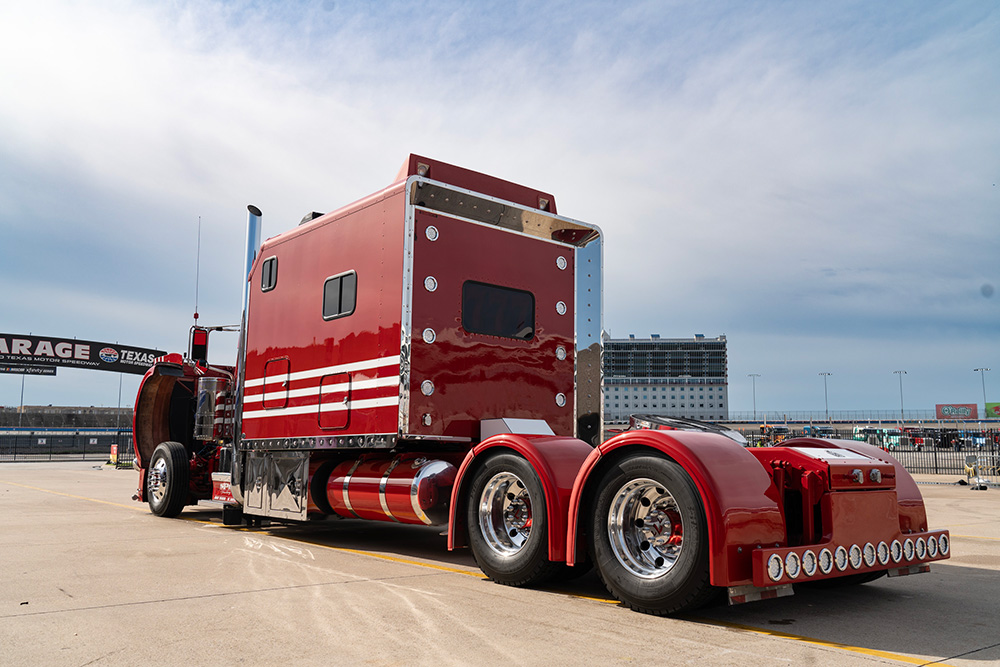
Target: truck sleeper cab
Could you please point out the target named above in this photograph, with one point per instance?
(431, 354)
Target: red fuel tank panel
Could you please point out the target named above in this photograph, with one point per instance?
(409, 488)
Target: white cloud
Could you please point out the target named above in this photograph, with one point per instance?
(753, 168)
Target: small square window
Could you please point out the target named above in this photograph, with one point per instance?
(340, 295)
(269, 274)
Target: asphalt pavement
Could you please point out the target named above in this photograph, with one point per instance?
(90, 577)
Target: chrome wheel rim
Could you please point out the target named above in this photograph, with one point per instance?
(645, 528)
(157, 480)
(505, 513)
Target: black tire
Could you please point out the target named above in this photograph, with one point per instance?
(167, 479)
(649, 536)
(507, 523)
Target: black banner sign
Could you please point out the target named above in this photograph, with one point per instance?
(35, 351)
(28, 370)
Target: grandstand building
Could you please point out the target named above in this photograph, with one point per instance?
(676, 377)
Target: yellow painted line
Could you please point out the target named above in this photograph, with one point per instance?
(394, 559)
(70, 495)
(976, 537)
(820, 642)
(479, 575)
(356, 552)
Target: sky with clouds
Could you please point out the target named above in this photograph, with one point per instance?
(816, 181)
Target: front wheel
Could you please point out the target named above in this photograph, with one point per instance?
(507, 523)
(649, 536)
(167, 479)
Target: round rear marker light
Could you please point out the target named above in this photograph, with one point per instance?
(775, 568)
(855, 556)
(944, 544)
(825, 561)
(870, 555)
(908, 549)
(883, 553)
(809, 563)
(896, 551)
(793, 565)
(921, 549)
(840, 558)
(932, 546)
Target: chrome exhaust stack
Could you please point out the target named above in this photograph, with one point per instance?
(252, 248)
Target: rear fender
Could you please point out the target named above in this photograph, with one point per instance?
(555, 459)
(740, 500)
(151, 417)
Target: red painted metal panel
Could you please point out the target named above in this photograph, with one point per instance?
(334, 401)
(476, 376)
(912, 514)
(366, 237)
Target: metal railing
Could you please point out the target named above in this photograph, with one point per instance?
(105, 445)
(820, 416)
(946, 454)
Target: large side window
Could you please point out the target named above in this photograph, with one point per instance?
(340, 295)
(498, 311)
(269, 274)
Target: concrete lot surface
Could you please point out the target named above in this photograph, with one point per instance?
(90, 577)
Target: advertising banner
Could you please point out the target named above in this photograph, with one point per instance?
(992, 411)
(28, 370)
(43, 351)
(957, 411)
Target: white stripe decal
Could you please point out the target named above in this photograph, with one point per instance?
(391, 381)
(329, 370)
(389, 401)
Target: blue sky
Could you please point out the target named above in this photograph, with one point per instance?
(817, 181)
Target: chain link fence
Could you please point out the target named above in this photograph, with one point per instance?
(106, 445)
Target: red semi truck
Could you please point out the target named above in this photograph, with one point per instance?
(431, 354)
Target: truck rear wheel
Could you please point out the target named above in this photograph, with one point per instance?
(506, 521)
(649, 537)
(167, 479)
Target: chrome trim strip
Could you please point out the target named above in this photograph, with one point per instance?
(518, 218)
(251, 249)
(370, 441)
(429, 469)
(588, 411)
(435, 438)
(406, 316)
(381, 489)
(347, 483)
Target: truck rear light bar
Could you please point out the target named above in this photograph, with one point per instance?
(903, 555)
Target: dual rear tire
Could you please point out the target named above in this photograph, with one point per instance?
(648, 534)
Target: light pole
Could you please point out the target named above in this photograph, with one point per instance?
(753, 379)
(826, 396)
(982, 376)
(902, 419)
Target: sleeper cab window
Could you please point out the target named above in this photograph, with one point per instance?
(340, 294)
(498, 311)
(269, 274)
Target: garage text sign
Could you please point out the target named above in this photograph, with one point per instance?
(20, 350)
